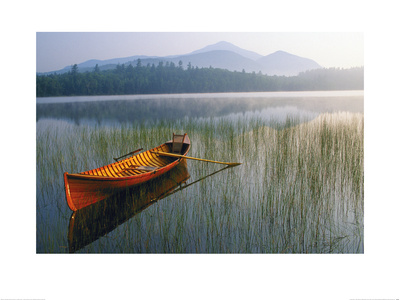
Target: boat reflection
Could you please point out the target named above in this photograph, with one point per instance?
(92, 222)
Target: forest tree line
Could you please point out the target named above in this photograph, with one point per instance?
(166, 78)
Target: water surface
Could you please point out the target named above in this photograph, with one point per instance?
(299, 188)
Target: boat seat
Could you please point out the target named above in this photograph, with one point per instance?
(177, 143)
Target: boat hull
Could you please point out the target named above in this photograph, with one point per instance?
(86, 188)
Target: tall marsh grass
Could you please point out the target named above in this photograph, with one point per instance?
(300, 188)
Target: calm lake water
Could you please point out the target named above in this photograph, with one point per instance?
(151, 108)
(277, 201)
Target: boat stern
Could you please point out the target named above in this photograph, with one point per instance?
(68, 193)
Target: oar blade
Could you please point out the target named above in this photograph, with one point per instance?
(233, 164)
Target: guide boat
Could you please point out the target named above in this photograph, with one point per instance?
(85, 188)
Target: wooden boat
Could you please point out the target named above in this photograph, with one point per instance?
(85, 188)
(88, 224)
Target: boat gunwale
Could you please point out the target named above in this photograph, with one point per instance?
(124, 178)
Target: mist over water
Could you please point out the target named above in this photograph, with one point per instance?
(156, 108)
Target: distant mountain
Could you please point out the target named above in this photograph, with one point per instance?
(103, 64)
(222, 55)
(229, 47)
(278, 63)
(283, 63)
(217, 59)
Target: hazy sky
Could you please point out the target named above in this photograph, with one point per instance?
(55, 50)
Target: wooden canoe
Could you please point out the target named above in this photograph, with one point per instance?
(85, 188)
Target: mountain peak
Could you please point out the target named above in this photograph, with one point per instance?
(284, 63)
(223, 45)
(282, 53)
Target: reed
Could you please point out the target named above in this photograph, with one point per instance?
(299, 188)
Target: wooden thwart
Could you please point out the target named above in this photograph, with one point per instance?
(130, 153)
(195, 158)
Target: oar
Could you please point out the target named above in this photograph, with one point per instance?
(133, 152)
(194, 158)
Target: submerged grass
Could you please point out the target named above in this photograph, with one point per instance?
(300, 188)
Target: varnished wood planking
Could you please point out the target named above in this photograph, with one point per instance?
(85, 188)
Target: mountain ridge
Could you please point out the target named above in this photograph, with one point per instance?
(222, 55)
